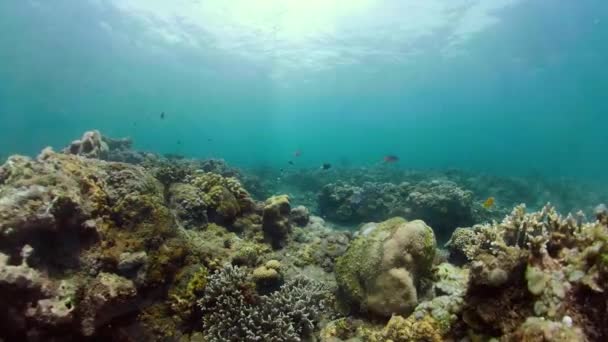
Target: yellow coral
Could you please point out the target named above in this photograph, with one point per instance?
(264, 273)
(273, 264)
(409, 329)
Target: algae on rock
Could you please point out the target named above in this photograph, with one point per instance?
(383, 272)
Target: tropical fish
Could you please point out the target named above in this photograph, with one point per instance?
(297, 153)
(488, 203)
(162, 115)
(290, 162)
(326, 166)
(390, 159)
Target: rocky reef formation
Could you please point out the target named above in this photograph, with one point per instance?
(170, 249)
(441, 204)
(209, 197)
(79, 228)
(95, 145)
(97, 249)
(536, 274)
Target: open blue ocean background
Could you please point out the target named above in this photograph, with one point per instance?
(509, 87)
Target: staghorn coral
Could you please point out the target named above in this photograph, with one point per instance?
(233, 311)
(383, 271)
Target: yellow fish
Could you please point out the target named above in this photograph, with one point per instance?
(488, 203)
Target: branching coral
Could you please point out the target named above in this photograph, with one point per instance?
(233, 311)
(537, 263)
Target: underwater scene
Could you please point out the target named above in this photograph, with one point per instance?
(304, 170)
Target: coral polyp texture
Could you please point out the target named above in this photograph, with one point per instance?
(102, 242)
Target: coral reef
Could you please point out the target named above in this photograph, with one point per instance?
(102, 242)
(442, 204)
(233, 311)
(384, 269)
(538, 264)
(95, 145)
(91, 145)
(224, 198)
(275, 220)
(299, 216)
(207, 197)
(89, 237)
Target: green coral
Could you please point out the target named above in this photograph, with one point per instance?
(224, 196)
(183, 299)
(275, 220)
(384, 268)
(400, 329)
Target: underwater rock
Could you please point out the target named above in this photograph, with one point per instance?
(442, 204)
(275, 220)
(383, 272)
(107, 297)
(133, 266)
(91, 145)
(189, 206)
(299, 215)
(95, 145)
(80, 239)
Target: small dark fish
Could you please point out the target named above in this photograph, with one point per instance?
(290, 162)
(179, 142)
(135, 124)
(390, 159)
(297, 153)
(326, 166)
(281, 170)
(162, 115)
(209, 140)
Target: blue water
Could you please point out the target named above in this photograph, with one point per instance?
(505, 87)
